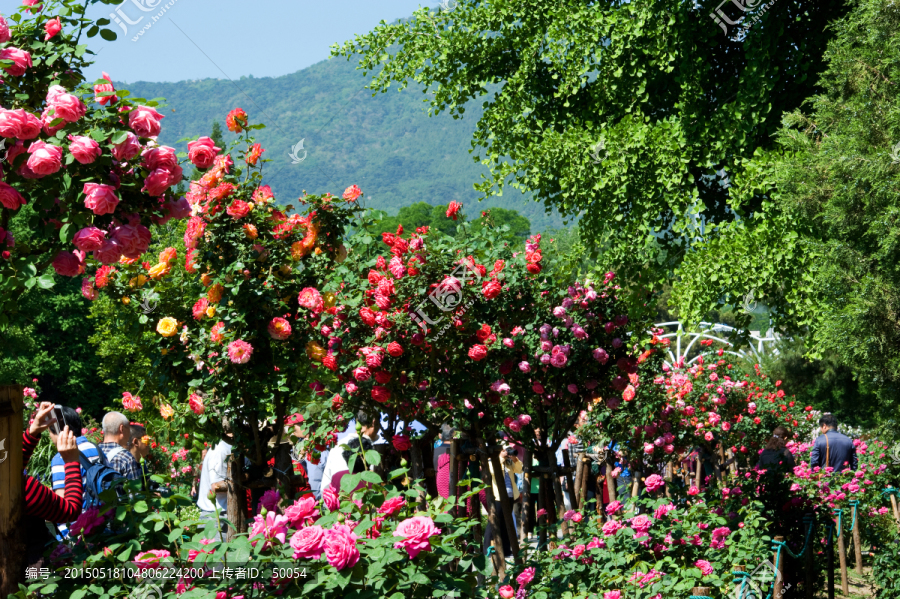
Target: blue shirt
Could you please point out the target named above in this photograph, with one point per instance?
(837, 448)
(58, 466)
(314, 474)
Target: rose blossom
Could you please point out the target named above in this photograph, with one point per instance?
(127, 149)
(84, 149)
(654, 482)
(195, 402)
(279, 329)
(308, 543)
(21, 61)
(416, 532)
(89, 239)
(705, 567)
(340, 547)
(525, 578)
(144, 121)
(4, 31)
(133, 239)
(239, 351)
(101, 199)
(330, 498)
(392, 506)
(202, 153)
(9, 197)
(45, 158)
(302, 512)
(65, 106)
(69, 264)
(506, 592)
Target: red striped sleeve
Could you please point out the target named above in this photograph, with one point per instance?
(43, 503)
(29, 442)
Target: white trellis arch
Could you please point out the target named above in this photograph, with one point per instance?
(683, 341)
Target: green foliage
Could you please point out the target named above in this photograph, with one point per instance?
(633, 114)
(49, 342)
(823, 250)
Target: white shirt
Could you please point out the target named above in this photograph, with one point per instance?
(214, 470)
(336, 462)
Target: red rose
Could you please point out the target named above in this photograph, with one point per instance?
(453, 210)
(368, 317)
(202, 153)
(395, 349)
(380, 394)
(491, 289)
(238, 209)
(483, 333)
(478, 352)
(330, 362)
(533, 268)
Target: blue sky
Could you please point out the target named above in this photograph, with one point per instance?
(196, 39)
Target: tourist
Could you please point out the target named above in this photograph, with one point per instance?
(776, 452)
(42, 504)
(140, 449)
(57, 463)
(312, 472)
(116, 445)
(368, 425)
(212, 492)
(356, 446)
(832, 449)
(510, 465)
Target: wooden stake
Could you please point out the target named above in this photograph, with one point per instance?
(13, 552)
(857, 545)
(697, 475)
(610, 485)
(585, 465)
(636, 485)
(506, 505)
(702, 591)
(580, 491)
(842, 558)
(237, 498)
(778, 591)
(499, 558)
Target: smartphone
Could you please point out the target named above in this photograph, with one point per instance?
(57, 420)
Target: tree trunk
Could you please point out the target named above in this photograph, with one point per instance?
(579, 483)
(237, 497)
(493, 518)
(12, 494)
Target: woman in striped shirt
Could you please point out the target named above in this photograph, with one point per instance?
(40, 502)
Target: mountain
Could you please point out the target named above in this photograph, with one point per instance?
(387, 144)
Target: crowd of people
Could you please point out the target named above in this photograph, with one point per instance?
(125, 447)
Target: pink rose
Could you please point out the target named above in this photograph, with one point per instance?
(654, 482)
(89, 239)
(158, 181)
(611, 527)
(88, 290)
(127, 149)
(105, 88)
(507, 592)
(612, 595)
(525, 578)
(144, 121)
(5, 36)
(330, 498)
(195, 403)
(162, 157)
(21, 61)
(9, 197)
(340, 547)
(392, 506)
(308, 543)
(202, 153)
(613, 507)
(109, 252)
(415, 532)
(45, 158)
(178, 208)
(101, 199)
(51, 28)
(84, 149)
(401, 442)
(304, 511)
(478, 352)
(705, 567)
(19, 124)
(133, 239)
(69, 264)
(65, 106)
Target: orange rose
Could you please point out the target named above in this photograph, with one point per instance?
(214, 293)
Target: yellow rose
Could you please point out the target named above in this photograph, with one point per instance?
(160, 270)
(330, 299)
(211, 311)
(166, 411)
(126, 300)
(167, 327)
(314, 351)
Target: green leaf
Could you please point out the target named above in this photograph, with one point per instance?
(46, 281)
(141, 507)
(108, 34)
(373, 458)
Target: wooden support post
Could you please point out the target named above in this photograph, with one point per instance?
(733, 466)
(778, 591)
(418, 475)
(610, 484)
(896, 510)
(702, 592)
(857, 543)
(697, 475)
(721, 465)
(560, 504)
(13, 552)
(237, 497)
(740, 585)
(580, 490)
(670, 474)
(454, 476)
(842, 558)
(506, 505)
(527, 499)
(585, 476)
(567, 463)
(636, 485)
(499, 558)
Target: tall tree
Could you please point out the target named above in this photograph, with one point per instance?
(635, 114)
(825, 250)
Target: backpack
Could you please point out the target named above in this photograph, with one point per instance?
(98, 477)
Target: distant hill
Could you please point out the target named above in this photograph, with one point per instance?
(386, 144)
